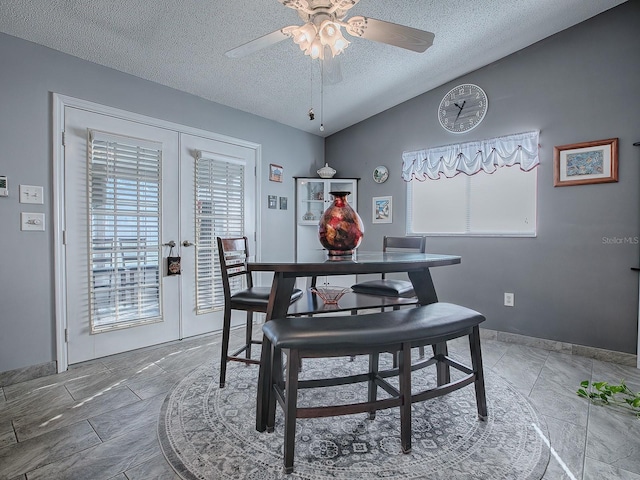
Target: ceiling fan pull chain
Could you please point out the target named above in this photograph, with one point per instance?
(312, 115)
(322, 95)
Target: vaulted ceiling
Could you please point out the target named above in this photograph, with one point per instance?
(181, 44)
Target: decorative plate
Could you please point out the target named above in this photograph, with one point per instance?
(380, 174)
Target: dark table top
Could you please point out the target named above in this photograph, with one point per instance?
(317, 262)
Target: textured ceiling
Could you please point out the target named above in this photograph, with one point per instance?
(181, 44)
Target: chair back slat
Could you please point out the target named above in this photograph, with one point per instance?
(233, 254)
(419, 244)
(415, 244)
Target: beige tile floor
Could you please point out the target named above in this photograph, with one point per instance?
(98, 420)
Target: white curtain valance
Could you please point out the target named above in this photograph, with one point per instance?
(472, 157)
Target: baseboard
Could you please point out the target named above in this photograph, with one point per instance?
(621, 358)
(18, 375)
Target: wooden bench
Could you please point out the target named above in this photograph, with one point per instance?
(394, 332)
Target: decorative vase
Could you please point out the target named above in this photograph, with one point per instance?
(326, 171)
(340, 229)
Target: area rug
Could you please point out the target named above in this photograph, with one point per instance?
(209, 433)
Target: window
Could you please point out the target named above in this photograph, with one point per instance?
(219, 212)
(124, 217)
(495, 195)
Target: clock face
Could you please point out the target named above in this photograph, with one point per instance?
(463, 108)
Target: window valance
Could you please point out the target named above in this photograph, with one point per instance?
(472, 157)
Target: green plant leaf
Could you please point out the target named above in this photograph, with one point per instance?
(606, 394)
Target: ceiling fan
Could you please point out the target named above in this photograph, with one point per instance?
(321, 35)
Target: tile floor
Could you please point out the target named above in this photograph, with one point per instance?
(98, 420)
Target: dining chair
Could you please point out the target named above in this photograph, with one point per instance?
(240, 294)
(391, 287)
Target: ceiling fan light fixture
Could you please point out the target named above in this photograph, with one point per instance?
(316, 49)
(331, 35)
(305, 34)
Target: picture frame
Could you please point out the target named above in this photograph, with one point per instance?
(382, 210)
(585, 163)
(273, 201)
(283, 203)
(275, 172)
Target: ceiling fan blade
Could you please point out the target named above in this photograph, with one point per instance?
(390, 33)
(257, 44)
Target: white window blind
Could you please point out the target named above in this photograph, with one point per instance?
(124, 186)
(502, 204)
(219, 212)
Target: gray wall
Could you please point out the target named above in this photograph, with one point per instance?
(28, 75)
(569, 284)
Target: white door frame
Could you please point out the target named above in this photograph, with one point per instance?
(58, 220)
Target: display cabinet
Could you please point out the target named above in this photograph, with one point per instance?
(313, 196)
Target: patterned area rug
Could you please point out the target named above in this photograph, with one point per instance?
(209, 433)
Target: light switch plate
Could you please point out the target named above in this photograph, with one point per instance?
(32, 222)
(31, 194)
(4, 187)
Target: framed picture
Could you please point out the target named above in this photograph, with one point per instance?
(275, 172)
(382, 210)
(587, 162)
(283, 203)
(273, 201)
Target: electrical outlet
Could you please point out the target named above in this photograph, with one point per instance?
(509, 299)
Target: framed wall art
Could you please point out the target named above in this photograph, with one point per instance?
(382, 210)
(584, 163)
(275, 172)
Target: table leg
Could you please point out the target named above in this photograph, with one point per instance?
(423, 286)
(279, 301)
(426, 293)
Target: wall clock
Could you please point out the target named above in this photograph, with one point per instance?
(380, 174)
(463, 108)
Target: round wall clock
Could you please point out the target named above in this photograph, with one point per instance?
(463, 108)
(380, 174)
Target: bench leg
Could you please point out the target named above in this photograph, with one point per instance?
(442, 369)
(374, 359)
(290, 408)
(476, 364)
(404, 377)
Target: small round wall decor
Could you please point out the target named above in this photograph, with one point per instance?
(380, 174)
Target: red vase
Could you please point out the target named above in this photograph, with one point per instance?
(340, 229)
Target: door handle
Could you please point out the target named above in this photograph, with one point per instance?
(187, 243)
(171, 244)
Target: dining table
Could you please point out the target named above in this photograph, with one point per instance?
(317, 263)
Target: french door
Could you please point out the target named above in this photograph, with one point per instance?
(135, 194)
